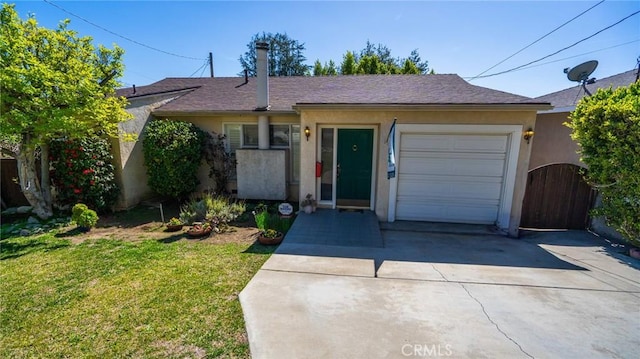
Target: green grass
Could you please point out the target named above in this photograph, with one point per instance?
(111, 298)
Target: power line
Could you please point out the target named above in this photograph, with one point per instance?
(559, 51)
(531, 44)
(570, 57)
(200, 68)
(118, 35)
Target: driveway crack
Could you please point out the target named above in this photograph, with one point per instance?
(494, 323)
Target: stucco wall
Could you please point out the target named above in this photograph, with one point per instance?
(552, 142)
(383, 119)
(129, 166)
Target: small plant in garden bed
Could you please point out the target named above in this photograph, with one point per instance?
(271, 233)
(215, 209)
(175, 222)
(266, 220)
(84, 217)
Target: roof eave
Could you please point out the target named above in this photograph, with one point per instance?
(541, 106)
(157, 93)
(559, 109)
(206, 113)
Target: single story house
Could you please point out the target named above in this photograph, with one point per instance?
(460, 153)
(557, 196)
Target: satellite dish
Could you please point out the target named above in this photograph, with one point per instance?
(581, 74)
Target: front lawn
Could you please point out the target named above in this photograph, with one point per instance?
(108, 298)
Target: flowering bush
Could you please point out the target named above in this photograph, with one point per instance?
(83, 172)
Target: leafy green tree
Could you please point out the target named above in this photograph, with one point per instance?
(172, 154)
(371, 65)
(377, 59)
(410, 68)
(348, 65)
(318, 69)
(286, 55)
(607, 129)
(328, 69)
(331, 69)
(55, 84)
(423, 66)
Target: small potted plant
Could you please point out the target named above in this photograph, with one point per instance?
(200, 229)
(308, 204)
(270, 237)
(84, 217)
(174, 224)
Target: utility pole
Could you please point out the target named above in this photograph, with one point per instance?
(211, 63)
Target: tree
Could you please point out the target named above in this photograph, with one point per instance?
(318, 69)
(286, 56)
(377, 59)
(371, 65)
(607, 129)
(348, 65)
(325, 70)
(54, 84)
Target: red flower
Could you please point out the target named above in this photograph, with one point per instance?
(87, 171)
(77, 191)
(92, 182)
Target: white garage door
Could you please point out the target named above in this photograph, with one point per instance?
(453, 177)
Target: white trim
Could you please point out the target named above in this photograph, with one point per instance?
(374, 161)
(514, 133)
(558, 110)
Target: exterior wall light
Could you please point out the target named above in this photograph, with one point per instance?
(528, 134)
(307, 132)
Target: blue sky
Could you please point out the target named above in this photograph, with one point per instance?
(462, 37)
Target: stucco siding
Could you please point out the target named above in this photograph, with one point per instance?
(383, 120)
(129, 166)
(552, 142)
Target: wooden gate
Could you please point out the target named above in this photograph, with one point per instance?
(556, 197)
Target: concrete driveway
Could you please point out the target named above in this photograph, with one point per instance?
(545, 295)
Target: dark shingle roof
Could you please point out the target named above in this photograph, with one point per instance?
(232, 94)
(160, 87)
(567, 99)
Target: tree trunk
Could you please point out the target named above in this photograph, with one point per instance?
(45, 182)
(29, 183)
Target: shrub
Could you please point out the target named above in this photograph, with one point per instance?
(219, 210)
(172, 154)
(83, 216)
(83, 172)
(607, 129)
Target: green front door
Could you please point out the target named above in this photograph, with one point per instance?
(355, 154)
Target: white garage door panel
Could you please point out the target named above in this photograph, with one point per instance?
(432, 187)
(453, 143)
(447, 212)
(451, 177)
(452, 166)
